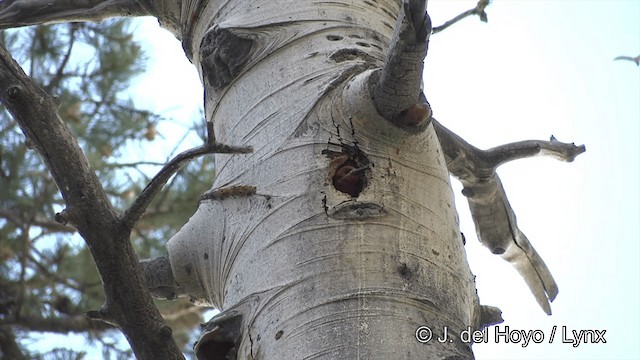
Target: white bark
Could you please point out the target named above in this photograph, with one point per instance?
(312, 271)
(337, 237)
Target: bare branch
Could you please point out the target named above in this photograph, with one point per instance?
(397, 88)
(522, 149)
(635, 59)
(16, 13)
(478, 10)
(494, 219)
(133, 214)
(55, 81)
(133, 164)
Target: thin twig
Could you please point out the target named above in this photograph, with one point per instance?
(57, 78)
(133, 214)
(478, 10)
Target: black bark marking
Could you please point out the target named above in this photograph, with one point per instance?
(352, 54)
(229, 191)
(497, 250)
(334, 37)
(223, 55)
(405, 271)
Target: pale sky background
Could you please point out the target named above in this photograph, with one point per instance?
(537, 68)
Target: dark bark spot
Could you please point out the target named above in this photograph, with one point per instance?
(188, 269)
(13, 92)
(206, 256)
(363, 44)
(405, 271)
(389, 13)
(334, 37)
(279, 334)
(166, 332)
(497, 250)
(223, 55)
(352, 54)
(436, 253)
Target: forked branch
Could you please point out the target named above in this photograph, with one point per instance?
(494, 219)
(478, 10)
(135, 211)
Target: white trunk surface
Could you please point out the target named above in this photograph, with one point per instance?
(315, 272)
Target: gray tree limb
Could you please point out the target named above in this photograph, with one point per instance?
(397, 87)
(494, 219)
(478, 10)
(16, 13)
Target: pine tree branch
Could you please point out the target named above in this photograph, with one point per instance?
(478, 10)
(57, 78)
(88, 208)
(396, 89)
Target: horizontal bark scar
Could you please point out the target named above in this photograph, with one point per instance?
(229, 191)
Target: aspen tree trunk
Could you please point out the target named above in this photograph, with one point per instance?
(337, 236)
(302, 266)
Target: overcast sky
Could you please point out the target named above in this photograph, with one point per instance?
(537, 68)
